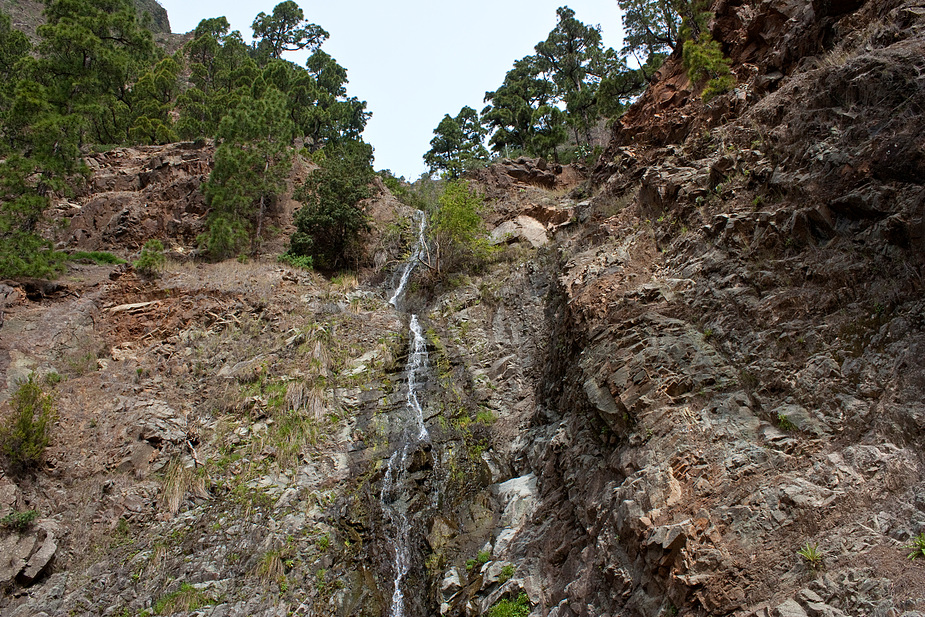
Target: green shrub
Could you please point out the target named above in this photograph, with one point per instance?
(917, 546)
(27, 254)
(25, 431)
(785, 423)
(704, 59)
(304, 262)
(101, 258)
(460, 241)
(506, 573)
(151, 260)
(511, 608)
(224, 237)
(19, 521)
(332, 220)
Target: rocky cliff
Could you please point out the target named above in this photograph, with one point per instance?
(679, 372)
(27, 16)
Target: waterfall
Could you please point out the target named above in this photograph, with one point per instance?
(417, 363)
(398, 516)
(394, 494)
(412, 261)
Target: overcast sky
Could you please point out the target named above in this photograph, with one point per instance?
(413, 61)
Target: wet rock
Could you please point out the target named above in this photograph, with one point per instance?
(518, 498)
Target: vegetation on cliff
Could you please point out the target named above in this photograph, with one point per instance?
(558, 95)
(564, 89)
(95, 80)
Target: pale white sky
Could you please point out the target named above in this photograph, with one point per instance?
(413, 61)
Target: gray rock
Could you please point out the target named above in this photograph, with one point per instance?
(158, 423)
(9, 495)
(790, 608)
(450, 585)
(15, 550)
(40, 559)
(518, 498)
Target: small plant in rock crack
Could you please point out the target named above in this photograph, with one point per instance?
(811, 555)
(519, 607)
(917, 546)
(785, 423)
(480, 560)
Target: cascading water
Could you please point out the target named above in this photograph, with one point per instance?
(412, 261)
(395, 495)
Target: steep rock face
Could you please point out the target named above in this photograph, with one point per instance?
(732, 376)
(139, 193)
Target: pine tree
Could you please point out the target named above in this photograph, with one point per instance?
(286, 30)
(14, 46)
(457, 145)
(652, 26)
(520, 114)
(152, 99)
(331, 220)
(222, 74)
(91, 52)
(252, 162)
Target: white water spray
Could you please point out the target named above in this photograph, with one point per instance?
(417, 363)
(412, 261)
(413, 435)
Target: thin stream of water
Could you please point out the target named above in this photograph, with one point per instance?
(393, 495)
(412, 261)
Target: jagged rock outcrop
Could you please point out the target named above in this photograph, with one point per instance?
(139, 193)
(705, 401)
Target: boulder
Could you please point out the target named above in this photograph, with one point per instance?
(521, 229)
(26, 556)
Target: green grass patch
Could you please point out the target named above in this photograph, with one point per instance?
(305, 262)
(184, 600)
(511, 608)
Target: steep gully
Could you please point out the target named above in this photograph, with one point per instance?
(414, 435)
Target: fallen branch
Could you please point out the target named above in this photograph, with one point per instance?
(195, 456)
(132, 308)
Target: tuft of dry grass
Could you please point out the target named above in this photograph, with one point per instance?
(180, 480)
(271, 568)
(305, 398)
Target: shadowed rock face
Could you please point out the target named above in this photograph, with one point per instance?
(721, 362)
(160, 22)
